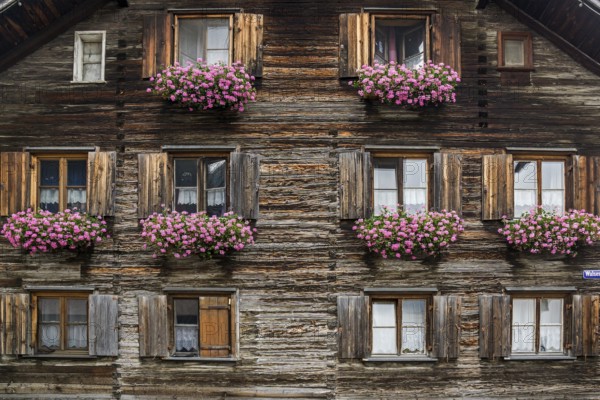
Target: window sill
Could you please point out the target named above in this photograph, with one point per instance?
(203, 359)
(63, 355)
(540, 358)
(400, 359)
(73, 82)
(516, 69)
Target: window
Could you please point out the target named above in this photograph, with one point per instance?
(539, 182)
(89, 56)
(205, 37)
(202, 326)
(201, 184)
(401, 39)
(62, 183)
(537, 325)
(399, 326)
(62, 322)
(400, 181)
(515, 51)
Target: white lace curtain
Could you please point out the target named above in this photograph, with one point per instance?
(186, 338)
(413, 326)
(186, 196)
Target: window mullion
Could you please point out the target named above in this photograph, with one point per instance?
(62, 181)
(201, 184)
(537, 325)
(63, 322)
(400, 180)
(399, 326)
(539, 182)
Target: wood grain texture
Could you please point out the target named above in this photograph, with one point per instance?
(103, 325)
(153, 326)
(101, 183)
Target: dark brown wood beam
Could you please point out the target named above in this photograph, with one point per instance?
(481, 4)
(54, 29)
(579, 56)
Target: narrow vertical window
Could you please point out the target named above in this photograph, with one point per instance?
(385, 185)
(551, 323)
(186, 185)
(523, 326)
(384, 328)
(215, 186)
(76, 184)
(49, 324)
(50, 185)
(413, 326)
(526, 193)
(553, 186)
(186, 325)
(89, 56)
(414, 185)
(77, 323)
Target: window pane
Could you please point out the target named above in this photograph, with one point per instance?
(186, 173)
(77, 314)
(186, 311)
(415, 200)
(553, 175)
(76, 199)
(526, 175)
(92, 52)
(385, 178)
(186, 325)
(186, 339)
(525, 200)
(49, 310)
(215, 202)
(415, 173)
(400, 40)
(217, 56)
(218, 33)
(514, 53)
(523, 326)
(49, 200)
(77, 311)
(198, 36)
(551, 311)
(49, 173)
(91, 72)
(384, 314)
(387, 198)
(413, 326)
(49, 327)
(186, 200)
(384, 341)
(77, 337)
(76, 172)
(216, 172)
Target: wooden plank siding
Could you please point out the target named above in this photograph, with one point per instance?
(306, 257)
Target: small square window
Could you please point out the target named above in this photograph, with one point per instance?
(401, 39)
(539, 182)
(62, 183)
(515, 51)
(62, 323)
(89, 56)
(200, 184)
(207, 37)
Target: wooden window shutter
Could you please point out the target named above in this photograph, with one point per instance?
(155, 183)
(248, 42)
(153, 326)
(353, 327)
(446, 326)
(447, 184)
(103, 325)
(494, 326)
(586, 325)
(244, 185)
(355, 184)
(446, 41)
(15, 324)
(157, 43)
(498, 187)
(354, 43)
(14, 182)
(215, 326)
(101, 183)
(593, 184)
(576, 183)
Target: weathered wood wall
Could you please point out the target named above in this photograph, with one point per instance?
(304, 257)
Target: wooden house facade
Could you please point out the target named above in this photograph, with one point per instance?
(302, 312)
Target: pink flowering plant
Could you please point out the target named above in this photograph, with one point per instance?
(432, 84)
(183, 234)
(43, 231)
(202, 86)
(541, 231)
(396, 234)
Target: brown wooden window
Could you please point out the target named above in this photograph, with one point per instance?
(543, 324)
(184, 37)
(418, 181)
(62, 183)
(211, 182)
(55, 182)
(515, 51)
(200, 183)
(406, 38)
(539, 182)
(388, 325)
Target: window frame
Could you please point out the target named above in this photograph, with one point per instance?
(539, 159)
(400, 15)
(63, 159)
(526, 38)
(36, 322)
(196, 295)
(80, 38)
(201, 176)
(398, 298)
(400, 157)
(538, 296)
(178, 16)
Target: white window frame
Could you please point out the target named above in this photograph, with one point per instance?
(80, 38)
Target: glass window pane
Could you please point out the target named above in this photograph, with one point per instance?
(91, 72)
(49, 200)
(526, 175)
(77, 336)
(215, 202)
(217, 56)
(186, 311)
(77, 310)
(49, 173)
(92, 52)
(216, 173)
(387, 198)
(514, 53)
(76, 172)
(384, 341)
(186, 199)
(551, 311)
(218, 33)
(186, 173)
(49, 309)
(553, 200)
(523, 326)
(384, 314)
(192, 38)
(415, 200)
(525, 200)
(550, 339)
(553, 175)
(76, 199)
(186, 339)
(415, 173)
(413, 326)
(385, 178)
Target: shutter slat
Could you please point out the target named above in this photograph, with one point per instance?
(157, 43)
(354, 188)
(244, 185)
(214, 326)
(494, 326)
(354, 43)
(153, 326)
(498, 186)
(14, 182)
(248, 42)
(440, 331)
(101, 183)
(353, 329)
(103, 325)
(446, 41)
(15, 320)
(593, 195)
(155, 183)
(447, 187)
(485, 326)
